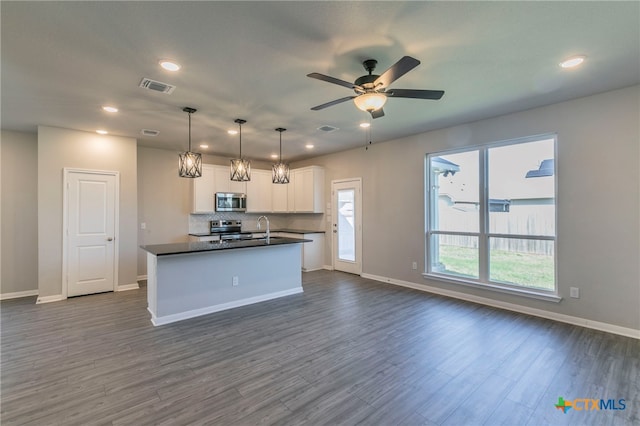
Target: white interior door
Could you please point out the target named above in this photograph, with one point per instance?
(347, 225)
(91, 225)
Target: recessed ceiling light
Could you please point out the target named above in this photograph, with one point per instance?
(365, 125)
(109, 108)
(101, 132)
(232, 132)
(274, 155)
(169, 65)
(573, 61)
(204, 145)
(309, 146)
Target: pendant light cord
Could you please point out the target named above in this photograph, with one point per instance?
(366, 147)
(240, 122)
(280, 129)
(189, 132)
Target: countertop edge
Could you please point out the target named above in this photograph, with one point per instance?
(259, 231)
(206, 246)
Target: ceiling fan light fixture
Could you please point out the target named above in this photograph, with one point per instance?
(189, 163)
(370, 101)
(280, 170)
(240, 168)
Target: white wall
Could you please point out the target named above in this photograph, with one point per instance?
(19, 184)
(598, 204)
(163, 201)
(59, 148)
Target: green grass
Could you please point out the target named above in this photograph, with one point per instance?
(525, 269)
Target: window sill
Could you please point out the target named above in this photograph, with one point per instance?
(532, 294)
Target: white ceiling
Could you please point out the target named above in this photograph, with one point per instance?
(62, 60)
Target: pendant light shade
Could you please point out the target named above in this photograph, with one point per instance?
(189, 163)
(240, 168)
(280, 171)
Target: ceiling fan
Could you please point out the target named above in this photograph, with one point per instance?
(372, 90)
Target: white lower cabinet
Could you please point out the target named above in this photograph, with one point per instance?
(312, 252)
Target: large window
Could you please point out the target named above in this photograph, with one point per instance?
(491, 214)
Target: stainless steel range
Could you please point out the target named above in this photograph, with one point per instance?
(228, 230)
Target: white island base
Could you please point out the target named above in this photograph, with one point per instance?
(181, 286)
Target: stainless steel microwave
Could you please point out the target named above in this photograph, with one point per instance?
(231, 202)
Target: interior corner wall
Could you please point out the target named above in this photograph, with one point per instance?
(163, 201)
(598, 205)
(19, 212)
(59, 148)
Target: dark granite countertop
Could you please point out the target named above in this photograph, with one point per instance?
(262, 231)
(204, 246)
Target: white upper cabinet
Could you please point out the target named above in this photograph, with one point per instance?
(203, 191)
(259, 192)
(223, 182)
(279, 200)
(306, 191)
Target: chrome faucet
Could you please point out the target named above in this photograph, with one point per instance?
(268, 231)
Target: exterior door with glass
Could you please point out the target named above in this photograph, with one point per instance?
(347, 225)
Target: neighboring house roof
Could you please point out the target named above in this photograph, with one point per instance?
(440, 165)
(545, 169)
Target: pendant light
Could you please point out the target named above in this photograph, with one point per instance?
(240, 168)
(280, 171)
(189, 163)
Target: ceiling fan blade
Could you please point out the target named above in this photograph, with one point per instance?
(416, 94)
(397, 70)
(328, 104)
(377, 113)
(334, 80)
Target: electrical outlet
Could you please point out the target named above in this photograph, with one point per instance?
(574, 292)
(235, 281)
(414, 266)
(143, 225)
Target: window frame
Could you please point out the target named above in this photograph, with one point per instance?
(484, 235)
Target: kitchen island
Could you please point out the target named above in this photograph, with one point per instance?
(185, 280)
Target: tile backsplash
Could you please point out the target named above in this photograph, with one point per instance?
(199, 223)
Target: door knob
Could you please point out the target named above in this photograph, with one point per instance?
(109, 239)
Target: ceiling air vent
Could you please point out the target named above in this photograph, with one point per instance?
(157, 86)
(327, 128)
(149, 132)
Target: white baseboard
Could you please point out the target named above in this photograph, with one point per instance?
(583, 322)
(142, 277)
(328, 267)
(18, 294)
(48, 299)
(126, 287)
(221, 307)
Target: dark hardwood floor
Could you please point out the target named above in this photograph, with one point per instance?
(346, 351)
